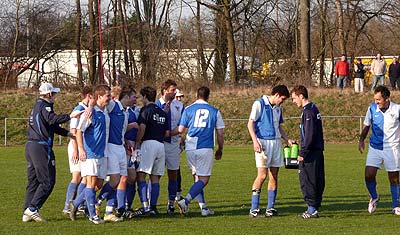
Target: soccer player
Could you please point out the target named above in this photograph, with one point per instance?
(41, 163)
(383, 117)
(265, 130)
(201, 119)
(133, 161)
(92, 137)
(115, 189)
(77, 184)
(311, 155)
(153, 127)
(173, 108)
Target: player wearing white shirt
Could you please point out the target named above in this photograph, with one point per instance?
(173, 108)
(77, 184)
(91, 137)
(383, 117)
(201, 119)
(265, 130)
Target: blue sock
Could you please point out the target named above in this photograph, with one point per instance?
(255, 198)
(105, 190)
(155, 193)
(271, 198)
(111, 201)
(121, 198)
(81, 188)
(172, 189)
(130, 195)
(196, 188)
(70, 194)
(80, 198)
(371, 186)
(311, 209)
(90, 196)
(142, 191)
(394, 189)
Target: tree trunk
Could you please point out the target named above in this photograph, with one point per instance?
(200, 48)
(92, 43)
(305, 40)
(340, 26)
(231, 42)
(221, 48)
(323, 8)
(123, 28)
(78, 41)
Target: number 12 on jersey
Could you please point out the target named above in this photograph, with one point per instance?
(201, 118)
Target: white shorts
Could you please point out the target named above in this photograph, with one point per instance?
(271, 156)
(172, 155)
(94, 167)
(388, 157)
(153, 158)
(73, 167)
(200, 161)
(116, 160)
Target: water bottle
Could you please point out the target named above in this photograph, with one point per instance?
(294, 153)
(286, 152)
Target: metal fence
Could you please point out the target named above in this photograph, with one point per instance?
(234, 133)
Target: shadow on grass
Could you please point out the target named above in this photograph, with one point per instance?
(332, 206)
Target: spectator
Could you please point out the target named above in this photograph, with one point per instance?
(378, 70)
(394, 73)
(342, 72)
(359, 73)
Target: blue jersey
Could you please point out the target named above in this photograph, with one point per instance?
(267, 119)
(312, 137)
(131, 134)
(201, 119)
(43, 123)
(385, 126)
(95, 133)
(156, 122)
(118, 122)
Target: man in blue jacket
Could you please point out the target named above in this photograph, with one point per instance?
(41, 165)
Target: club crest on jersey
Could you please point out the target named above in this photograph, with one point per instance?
(48, 109)
(159, 119)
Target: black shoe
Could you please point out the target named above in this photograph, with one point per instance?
(140, 213)
(153, 211)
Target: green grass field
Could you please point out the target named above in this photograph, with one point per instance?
(344, 209)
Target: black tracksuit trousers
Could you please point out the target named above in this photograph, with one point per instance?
(312, 178)
(41, 171)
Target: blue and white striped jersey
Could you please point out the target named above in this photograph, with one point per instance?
(201, 119)
(385, 126)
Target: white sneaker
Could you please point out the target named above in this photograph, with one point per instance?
(112, 218)
(96, 220)
(372, 205)
(183, 207)
(32, 215)
(206, 212)
(26, 218)
(396, 210)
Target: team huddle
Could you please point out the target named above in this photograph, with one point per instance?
(114, 146)
(117, 149)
